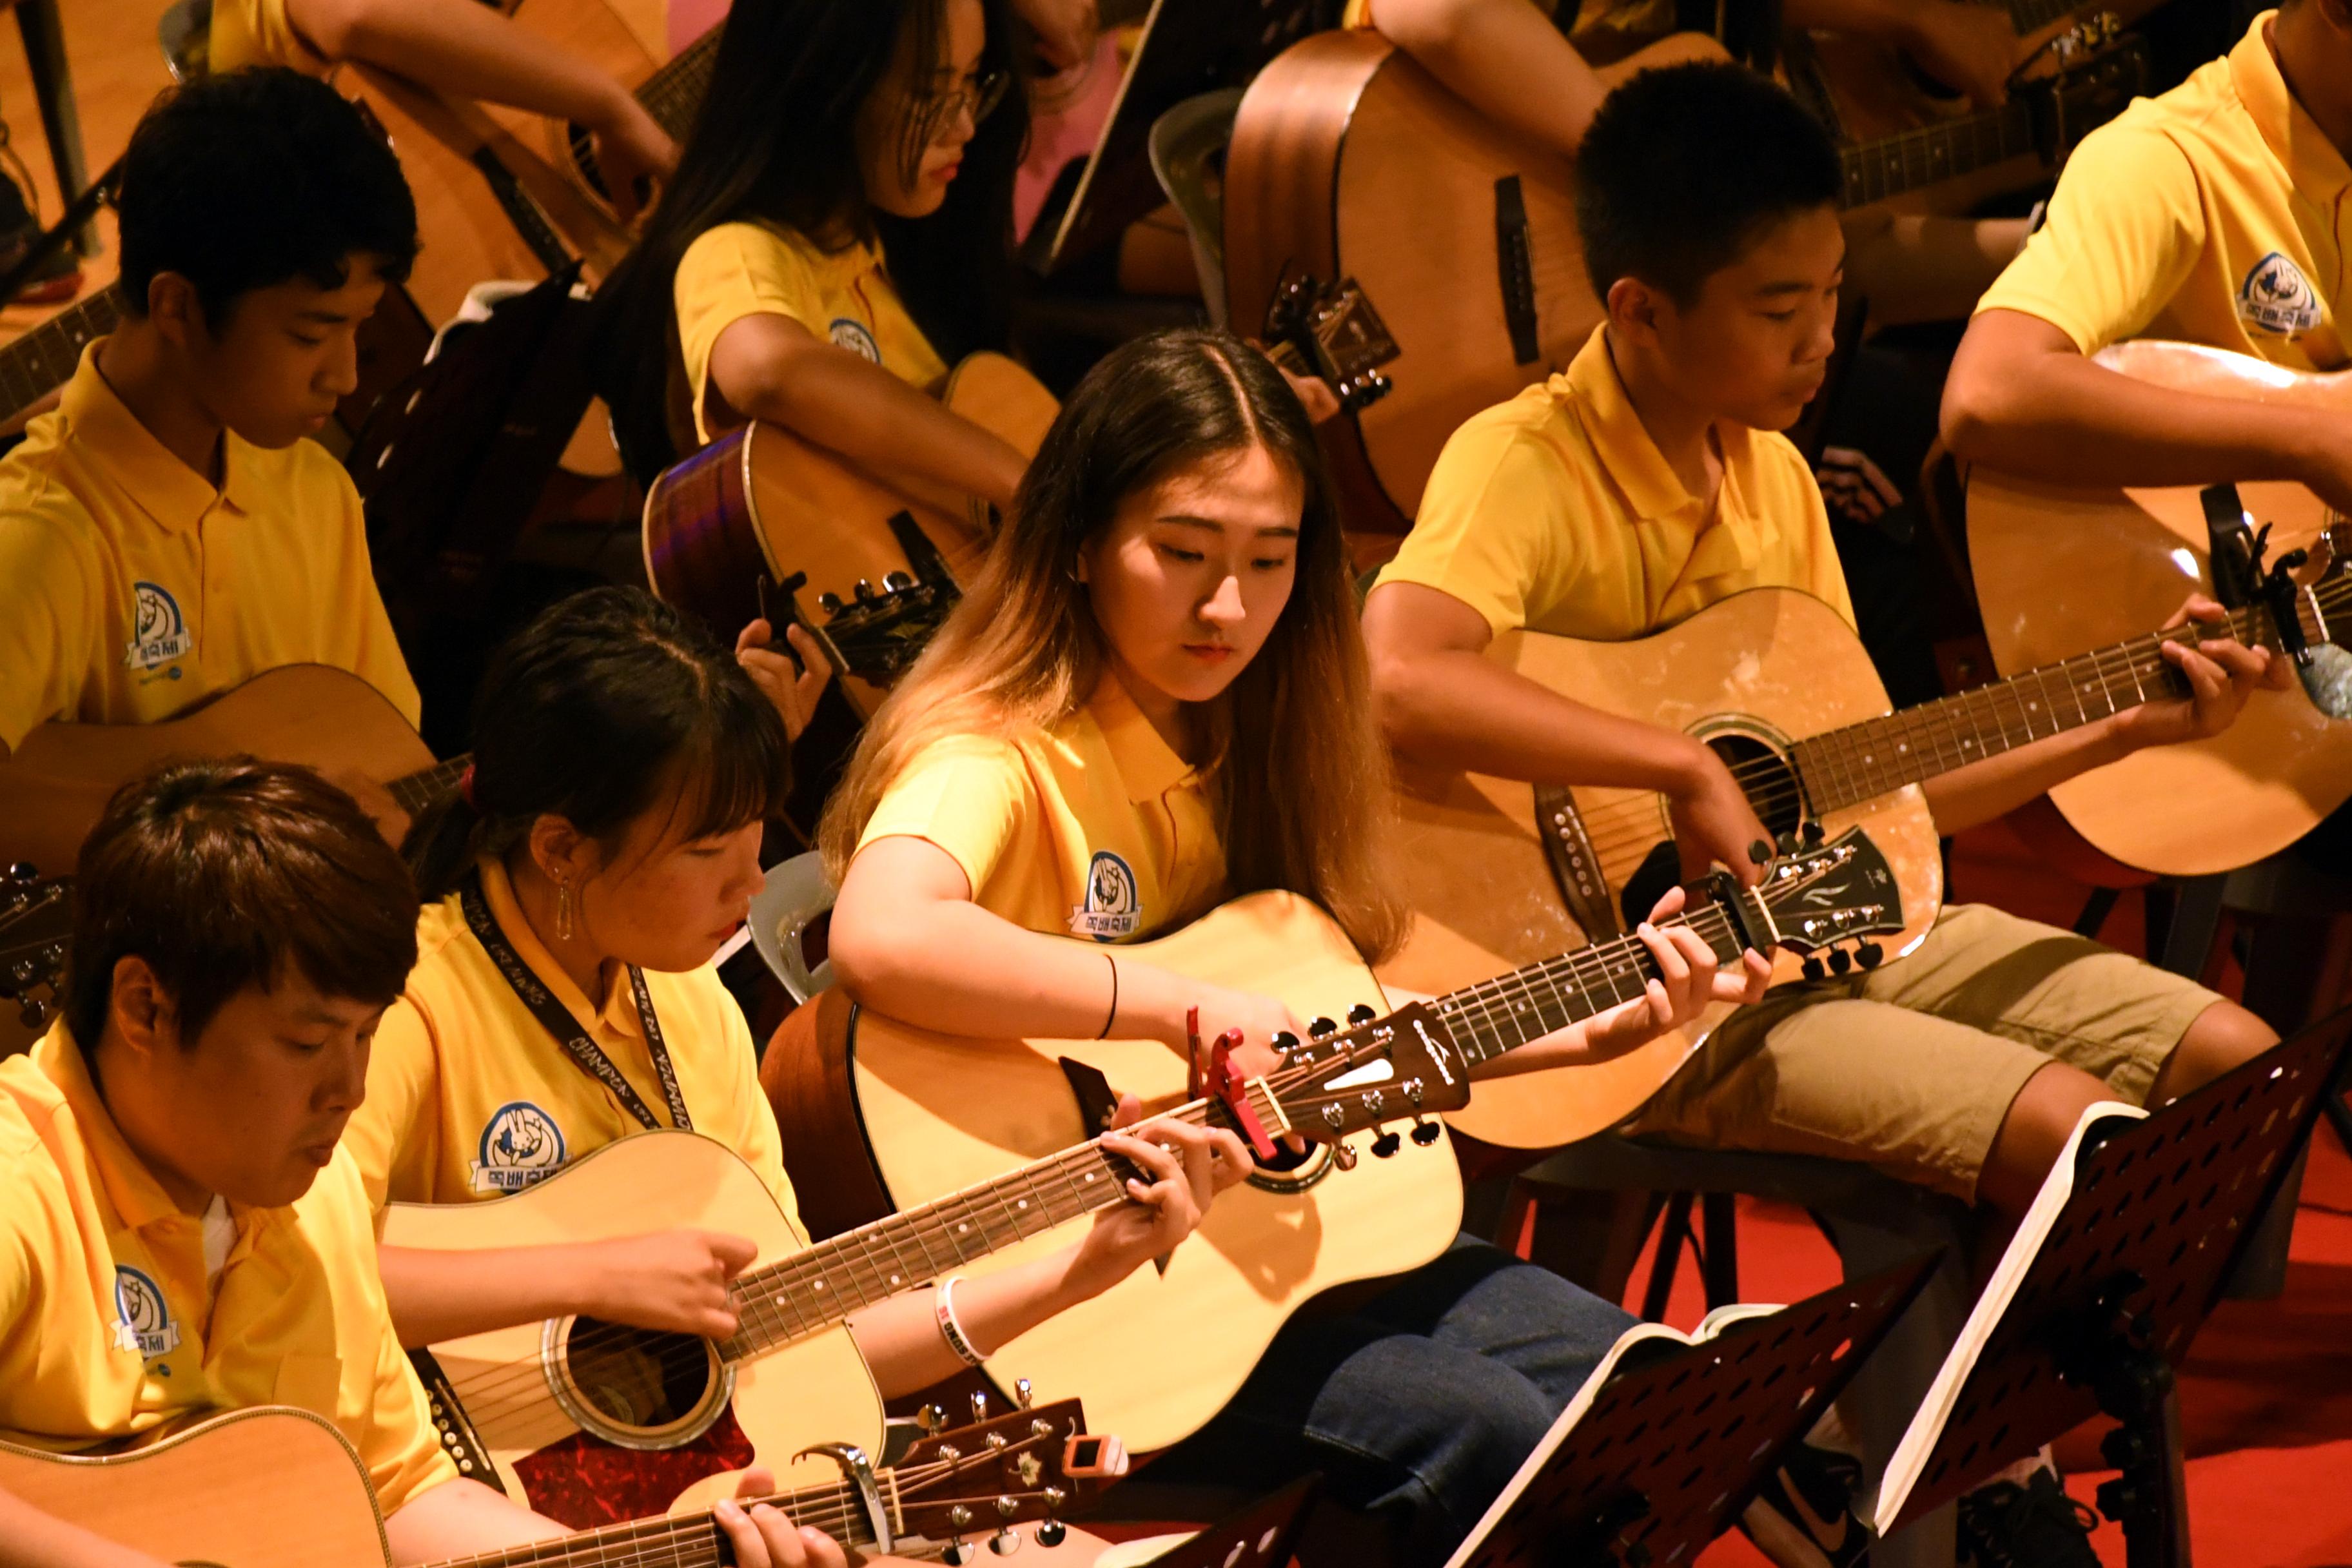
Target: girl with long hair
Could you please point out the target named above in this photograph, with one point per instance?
(604, 846)
(1153, 698)
(838, 230)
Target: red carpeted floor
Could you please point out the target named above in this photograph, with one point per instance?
(2267, 1397)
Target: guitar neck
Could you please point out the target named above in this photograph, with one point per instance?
(1503, 1014)
(1888, 167)
(414, 792)
(673, 95)
(45, 358)
(692, 1539)
(1862, 762)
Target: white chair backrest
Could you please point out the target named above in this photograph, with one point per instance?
(795, 895)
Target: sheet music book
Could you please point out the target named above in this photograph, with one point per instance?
(1918, 1444)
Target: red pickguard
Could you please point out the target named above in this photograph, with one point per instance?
(585, 1481)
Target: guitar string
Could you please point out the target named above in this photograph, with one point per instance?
(521, 1385)
(1945, 715)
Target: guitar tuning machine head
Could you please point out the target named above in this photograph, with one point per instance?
(1024, 1394)
(1052, 1534)
(1004, 1542)
(1344, 1156)
(1841, 961)
(1322, 1027)
(863, 592)
(1363, 1013)
(1814, 971)
(830, 603)
(1386, 1145)
(979, 1407)
(931, 1419)
(1424, 1131)
(1869, 955)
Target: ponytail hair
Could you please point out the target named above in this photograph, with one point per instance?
(606, 703)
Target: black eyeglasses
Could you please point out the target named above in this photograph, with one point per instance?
(980, 100)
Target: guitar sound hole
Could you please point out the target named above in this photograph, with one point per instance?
(1292, 1171)
(1765, 774)
(640, 1387)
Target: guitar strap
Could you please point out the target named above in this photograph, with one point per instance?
(558, 1021)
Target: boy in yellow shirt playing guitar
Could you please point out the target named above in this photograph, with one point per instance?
(1649, 482)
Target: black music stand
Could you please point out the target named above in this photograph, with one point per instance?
(2161, 1210)
(1680, 1438)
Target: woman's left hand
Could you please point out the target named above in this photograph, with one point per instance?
(794, 691)
(1689, 980)
(1184, 1168)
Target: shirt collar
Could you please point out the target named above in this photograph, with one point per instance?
(1147, 764)
(130, 1187)
(619, 1010)
(164, 487)
(2312, 162)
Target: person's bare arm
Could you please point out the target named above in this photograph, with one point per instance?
(670, 1279)
(1505, 58)
(2022, 398)
(1968, 47)
(461, 1519)
(470, 50)
(32, 1538)
(770, 367)
(1442, 701)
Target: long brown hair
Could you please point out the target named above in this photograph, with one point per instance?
(1298, 775)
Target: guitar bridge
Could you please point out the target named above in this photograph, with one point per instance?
(451, 1425)
(1575, 868)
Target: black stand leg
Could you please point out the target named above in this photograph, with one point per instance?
(2135, 1384)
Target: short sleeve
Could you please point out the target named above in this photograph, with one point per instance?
(1797, 497)
(259, 33)
(404, 1457)
(969, 794)
(388, 1135)
(752, 1133)
(1492, 514)
(47, 618)
(735, 270)
(376, 658)
(20, 1283)
(2125, 229)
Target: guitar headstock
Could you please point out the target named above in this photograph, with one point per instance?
(2100, 70)
(1816, 897)
(877, 633)
(1398, 1065)
(1336, 334)
(36, 920)
(989, 1476)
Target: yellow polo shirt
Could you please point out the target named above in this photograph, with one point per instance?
(1556, 512)
(257, 33)
(469, 1098)
(107, 1328)
(130, 589)
(2216, 214)
(1094, 828)
(844, 297)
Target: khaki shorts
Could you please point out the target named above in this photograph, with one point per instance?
(1911, 1068)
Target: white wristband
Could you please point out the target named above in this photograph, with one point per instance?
(950, 1326)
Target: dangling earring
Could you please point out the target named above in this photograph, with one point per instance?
(563, 911)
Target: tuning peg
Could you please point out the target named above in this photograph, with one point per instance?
(1386, 1145)
(1841, 961)
(1283, 1040)
(1760, 852)
(980, 1407)
(22, 871)
(1870, 954)
(1344, 1156)
(1022, 1395)
(931, 1419)
(1363, 1013)
(1424, 1131)
(1322, 1027)
(830, 603)
(1813, 970)
(1786, 843)
(897, 582)
(1052, 1534)
(1813, 833)
(1004, 1543)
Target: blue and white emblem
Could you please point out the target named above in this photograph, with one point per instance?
(143, 1318)
(1113, 909)
(849, 333)
(159, 632)
(520, 1144)
(2278, 299)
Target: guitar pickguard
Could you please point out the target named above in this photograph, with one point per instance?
(1568, 849)
(584, 1481)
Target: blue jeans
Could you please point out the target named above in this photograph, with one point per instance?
(1418, 1404)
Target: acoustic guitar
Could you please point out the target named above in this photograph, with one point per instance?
(1779, 686)
(1347, 159)
(273, 1486)
(54, 786)
(870, 563)
(35, 922)
(2056, 565)
(1165, 1349)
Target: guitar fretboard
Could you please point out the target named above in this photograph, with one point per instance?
(45, 358)
(1888, 166)
(1862, 762)
(672, 95)
(414, 792)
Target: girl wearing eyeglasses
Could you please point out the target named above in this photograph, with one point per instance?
(835, 235)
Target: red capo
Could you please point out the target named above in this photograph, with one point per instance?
(1228, 1086)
